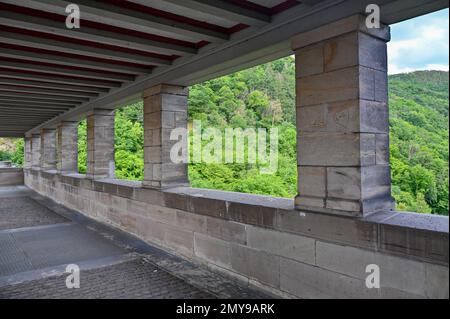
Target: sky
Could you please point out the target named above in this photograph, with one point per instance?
(421, 43)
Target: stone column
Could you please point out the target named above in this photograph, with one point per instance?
(165, 108)
(36, 152)
(28, 154)
(342, 119)
(48, 149)
(67, 150)
(100, 144)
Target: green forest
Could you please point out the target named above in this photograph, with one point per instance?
(264, 96)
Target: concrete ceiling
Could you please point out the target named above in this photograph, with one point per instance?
(49, 73)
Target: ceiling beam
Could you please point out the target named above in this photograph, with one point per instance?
(96, 35)
(74, 48)
(12, 116)
(25, 66)
(37, 108)
(43, 97)
(22, 74)
(20, 89)
(37, 102)
(126, 18)
(78, 62)
(49, 85)
(225, 10)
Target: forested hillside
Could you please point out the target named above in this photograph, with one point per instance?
(419, 104)
(264, 96)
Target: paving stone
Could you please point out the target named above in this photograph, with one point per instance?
(18, 212)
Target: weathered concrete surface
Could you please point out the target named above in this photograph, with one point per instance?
(11, 176)
(264, 240)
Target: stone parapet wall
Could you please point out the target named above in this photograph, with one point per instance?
(11, 176)
(265, 241)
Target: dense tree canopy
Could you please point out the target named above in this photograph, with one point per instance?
(264, 97)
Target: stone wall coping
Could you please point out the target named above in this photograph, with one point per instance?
(411, 235)
(242, 198)
(10, 169)
(412, 220)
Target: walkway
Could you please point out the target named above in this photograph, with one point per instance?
(39, 238)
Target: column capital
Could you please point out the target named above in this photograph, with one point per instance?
(67, 123)
(165, 89)
(355, 23)
(100, 111)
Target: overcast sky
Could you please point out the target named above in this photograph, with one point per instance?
(420, 44)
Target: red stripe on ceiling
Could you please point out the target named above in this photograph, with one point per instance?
(68, 67)
(239, 27)
(96, 25)
(70, 55)
(55, 76)
(167, 15)
(85, 42)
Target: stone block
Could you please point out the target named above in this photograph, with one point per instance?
(180, 240)
(341, 52)
(331, 149)
(374, 117)
(208, 206)
(212, 250)
(150, 230)
(344, 206)
(308, 202)
(340, 85)
(338, 28)
(372, 52)
(309, 61)
(252, 214)
(177, 201)
(192, 222)
(333, 228)
(376, 182)
(226, 230)
(311, 181)
(344, 182)
(167, 89)
(256, 264)
(282, 244)
(395, 272)
(382, 149)
(310, 282)
(437, 281)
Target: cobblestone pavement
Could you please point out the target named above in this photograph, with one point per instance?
(38, 238)
(135, 279)
(18, 212)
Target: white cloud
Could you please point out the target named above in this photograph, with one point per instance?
(437, 67)
(424, 46)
